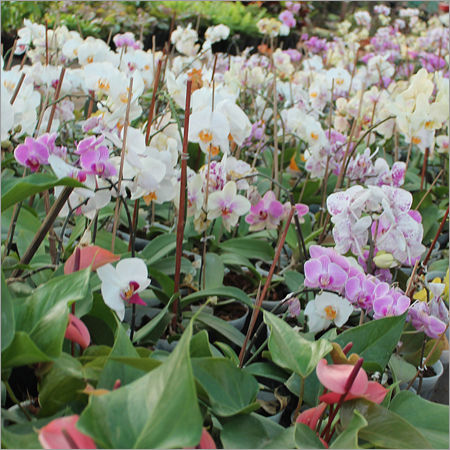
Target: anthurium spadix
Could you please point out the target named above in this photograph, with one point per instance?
(121, 285)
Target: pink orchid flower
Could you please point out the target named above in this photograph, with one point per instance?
(62, 433)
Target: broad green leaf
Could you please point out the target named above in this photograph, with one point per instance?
(385, 428)
(222, 327)
(199, 346)
(159, 247)
(248, 247)
(154, 329)
(114, 370)
(22, 351)
(374, 340)
(60, 385)
(15, 190)
(225, 291)
(312, 389)
(402, 370)
(290, 350)
(267, 370)
(431, 419)
(253, 431)
(230, 390)
(41, 319)
(213, 271)
(349, 437)
(305, 437)
(8, 326)
(160, 410)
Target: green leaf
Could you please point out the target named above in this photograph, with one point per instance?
(267, 370)
(222, 327)
(228, 352)
(213, 271)
(431, 419)
(248, 247)
(290, 350)
(17, 189)
(402, 370)
(22, 351)
(293, 280)
(60, 385)
(305, 437)
(158, 247)
(375, 340)
(114, 370)
(167, 266)
(159, 410)
(253, 431)
(225, 291)
(42, 318)
(230, 390)
(199, 346)
(349, 437)
(8, 325)
(166, 283)
(233, 259)
(153, 330)
(385, 428)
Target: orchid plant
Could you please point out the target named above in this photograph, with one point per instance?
(188, 231)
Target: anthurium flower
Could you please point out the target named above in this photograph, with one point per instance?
(62, 433)
(228, 205)
(77, 332)
(92, 254)
(311, 416)
(121, 285)
(334, 377)
(325, 309)
(206, 441)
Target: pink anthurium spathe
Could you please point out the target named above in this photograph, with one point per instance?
(311, 416)
(62, 433)
(92, 254)
(206, 441)
(77, 332)
(335, 376)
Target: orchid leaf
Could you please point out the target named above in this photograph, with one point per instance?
(17, 189)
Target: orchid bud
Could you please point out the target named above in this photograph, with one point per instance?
(384, 260)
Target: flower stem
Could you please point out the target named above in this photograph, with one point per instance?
(182, 207)
(266, 286)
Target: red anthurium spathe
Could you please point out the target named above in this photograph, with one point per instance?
(62, 433)
(77, 332)
(311, 416)
(334, 377)
(92, 254)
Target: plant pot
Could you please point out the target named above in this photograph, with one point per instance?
(233, 313)
(428, 383)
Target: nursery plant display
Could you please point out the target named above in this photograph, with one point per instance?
(205, 249)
